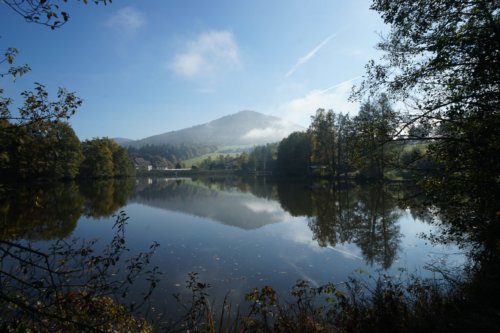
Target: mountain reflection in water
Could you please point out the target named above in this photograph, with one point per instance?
(367, 216)
(258, 230)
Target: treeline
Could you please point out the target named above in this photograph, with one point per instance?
(221, 162)
(260, 158)
(337, 145)
(169, 155)
(51, 150)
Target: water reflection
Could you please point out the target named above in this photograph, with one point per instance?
(51, 210)
(366, 216)
(103, 198)
(226, 202)
(363, 215)
(377, 234)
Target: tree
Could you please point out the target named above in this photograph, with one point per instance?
(444, 55)
(98, 162)
(242, 161)
(346, 135)
(32, 138)
(322, 135)
(29, 126)
(375, 127)
(443, 58)
(37, 110)
(104, 158)
(41, 150)
(294, 154)
(447, 51)
(65, 151)
(44, 12)
(263, 158)
(5, 147)
(170, 154)
(122, 163)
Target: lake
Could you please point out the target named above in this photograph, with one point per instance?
(238, 233)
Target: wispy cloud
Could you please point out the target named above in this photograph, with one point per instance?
(340, 84)
(302, 60)
(207, 53)
(126, 19)
(336, 97)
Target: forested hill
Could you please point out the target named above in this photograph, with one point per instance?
(122, 141)
(242, 128)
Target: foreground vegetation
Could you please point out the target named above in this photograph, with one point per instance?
(450, 301)
(71, 287)
(383, 304)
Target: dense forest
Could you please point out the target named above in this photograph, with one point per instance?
(51, 150)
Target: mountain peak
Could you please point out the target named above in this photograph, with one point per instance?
(245, 127)
(248, 112)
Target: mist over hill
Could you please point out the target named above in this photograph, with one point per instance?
(239, 129)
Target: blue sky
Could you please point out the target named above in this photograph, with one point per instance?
(147, 67)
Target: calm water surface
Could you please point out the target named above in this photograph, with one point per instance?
(238, 234)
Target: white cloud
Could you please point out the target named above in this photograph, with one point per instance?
(298, 231)
(271, 209)
(264, 207)
(209, 52)
(188, 64)
(127, 19)
(302, 60)
(260, 133)
(300, 110)
(276, 132)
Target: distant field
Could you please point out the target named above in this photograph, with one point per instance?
(225, 151)
(197, 160)
(233, 149)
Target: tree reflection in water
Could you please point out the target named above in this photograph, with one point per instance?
(338, 213)
(366, 216)
(51, 210)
